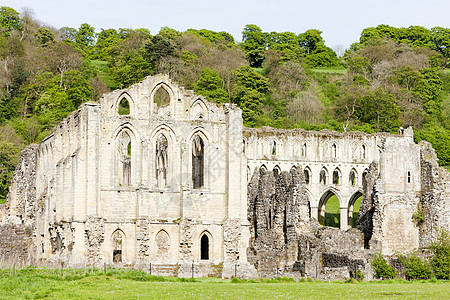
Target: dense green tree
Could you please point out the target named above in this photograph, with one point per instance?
(211, 85)
(9, 20)
(254, 42)
(249, 93)
(85, 35)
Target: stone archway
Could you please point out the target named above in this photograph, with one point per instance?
(329, 213)
(353, 208)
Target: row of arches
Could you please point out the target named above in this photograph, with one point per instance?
(304, 149)
(323, 175)
(330, 212)
(161, 96)
(127, 151)
(162, 240)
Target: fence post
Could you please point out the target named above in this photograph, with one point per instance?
(192, 270)
(150, 268)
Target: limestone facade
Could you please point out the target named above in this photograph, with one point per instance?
(182, 185)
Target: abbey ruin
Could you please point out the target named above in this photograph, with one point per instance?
(179, 185)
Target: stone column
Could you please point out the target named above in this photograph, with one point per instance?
(315, 212)
(344, 218)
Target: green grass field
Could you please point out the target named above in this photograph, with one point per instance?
(337, 70)
(103, 68)
(79, 284)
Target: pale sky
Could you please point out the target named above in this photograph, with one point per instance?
(340, 21)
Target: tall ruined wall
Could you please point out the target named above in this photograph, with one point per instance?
(285, 240)
(435, 202)
(17, 227)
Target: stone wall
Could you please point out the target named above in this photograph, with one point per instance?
(286, 241)
(435, 201)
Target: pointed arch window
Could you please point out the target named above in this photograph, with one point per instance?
(125, 153)
(336, 176)
(352, 177)
(161, 161)
(204, 247)
(307, 175)
(198, 162)
(304, 150)
(274, 148)
(334, 151)
(161, 97)
(117, 241)
(323, 176)
(124, 107)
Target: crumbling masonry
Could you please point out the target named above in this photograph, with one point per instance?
(179, 183)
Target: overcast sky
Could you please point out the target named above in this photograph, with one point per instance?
(340, 21)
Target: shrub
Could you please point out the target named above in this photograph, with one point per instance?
(415, 268)
(381, 267)
(359, 275)
(441, 255)
(309, 279)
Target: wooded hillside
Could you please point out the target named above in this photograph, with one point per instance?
(392, 77)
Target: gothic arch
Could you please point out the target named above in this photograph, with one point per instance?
(162, 156)
(353, 215)
(117, 242)
(337, 176)
(355, 147)
(167, 88)
(276, 171)
(199, 110)
(125, 155)
(308, 175)
(162, 240)
(353, 177)
(206, 245)
(323, 176)
(130, 101)
(363, 152)
(323, 218)
(262, 169)
(198, 143)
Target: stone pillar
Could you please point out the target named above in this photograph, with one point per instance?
(344, 218)
(315, 213)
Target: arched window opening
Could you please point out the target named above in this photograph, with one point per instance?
(274, 148)
(198, 158)
(304, 150)
(124, 107)
(307, 175)
(124, 153)
(243, 146)
(262, 170)
(117, 241)
(323, 176)
(334, 151)
(353, 209)
(409, 176)
(204, 247)
(276, 171)
(364, 178)
(329, 210)
(161, 97)
(363, 151)
(336, 175)
(352, 177)
(293, 170)
(161, 160)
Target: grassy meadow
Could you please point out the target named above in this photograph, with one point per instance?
(32, 283)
